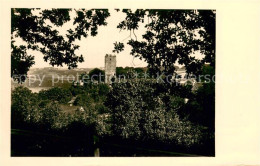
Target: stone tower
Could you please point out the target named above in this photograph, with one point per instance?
(110, 68)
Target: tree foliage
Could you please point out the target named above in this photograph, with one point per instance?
(42, 111)
(127, 72)
(146, 110)
(29, 110)
(171, 36)
(60, 95)
(31, 25)
(201, 107)
(97, 75)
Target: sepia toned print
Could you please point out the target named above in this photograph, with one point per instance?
(122, 82)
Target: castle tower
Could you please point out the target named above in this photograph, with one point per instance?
(110, 68)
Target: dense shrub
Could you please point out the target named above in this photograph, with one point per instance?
(42, 111)
(90, 93)
(56, 94)
(97, 75)
(23, 104)
(83, 100)
(140, 110)
(147, 110)
(201, 108)
(29, 110)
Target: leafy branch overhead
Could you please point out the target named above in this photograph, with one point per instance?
(118, 47)
(30, 26)
(170, 37)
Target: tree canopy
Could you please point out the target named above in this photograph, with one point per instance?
(31, 25)
(171, 36)
(97, 74)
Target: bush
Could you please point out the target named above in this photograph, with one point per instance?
(146, 110)
(83, 100)
(97, 74)
(23, 104)
(56, 94)
(29, 111)
(201, 108)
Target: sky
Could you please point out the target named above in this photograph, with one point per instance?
(95, 48)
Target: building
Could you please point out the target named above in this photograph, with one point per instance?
(110, 68)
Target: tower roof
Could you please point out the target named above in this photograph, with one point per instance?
(110, 55)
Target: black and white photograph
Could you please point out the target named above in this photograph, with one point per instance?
(112, 82)
(129, 83)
